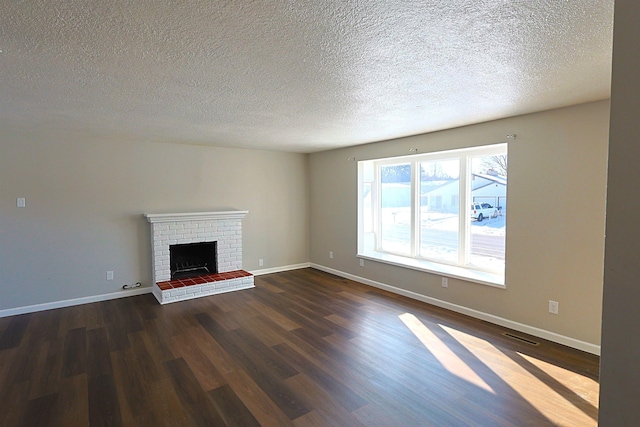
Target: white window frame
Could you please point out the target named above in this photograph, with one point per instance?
(369, 248)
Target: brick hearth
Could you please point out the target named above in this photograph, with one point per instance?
(202, 286)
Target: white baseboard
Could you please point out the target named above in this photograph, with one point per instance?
(531, 330)
(121, 294)
(76, 301)
(280, 269)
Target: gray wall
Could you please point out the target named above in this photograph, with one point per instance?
(620, 362)
(555, 225)
(85, 200)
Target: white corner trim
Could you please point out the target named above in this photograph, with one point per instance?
(70, 302)
(531, 330)
(195, 216)
(280, 269)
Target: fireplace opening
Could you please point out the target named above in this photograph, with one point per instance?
(193, 259)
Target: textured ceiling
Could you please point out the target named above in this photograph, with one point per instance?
(296, 75)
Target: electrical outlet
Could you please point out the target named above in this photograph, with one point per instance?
(260, 262)
(109, 275)
(361, 262)
(330, 254)
(21, 202)
(553, 307)
(445, 282)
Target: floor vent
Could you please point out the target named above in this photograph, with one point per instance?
(521, 339)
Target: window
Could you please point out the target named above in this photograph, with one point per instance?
(410, 212)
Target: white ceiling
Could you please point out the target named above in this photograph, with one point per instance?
(295, 75)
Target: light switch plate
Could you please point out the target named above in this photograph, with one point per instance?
(21, 202)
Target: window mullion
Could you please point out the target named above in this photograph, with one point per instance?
(376, 204)
(463, 211)
(415, 208)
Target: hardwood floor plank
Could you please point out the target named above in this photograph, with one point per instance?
(71, 318)
(374, 416)
(98, 360)
(38, 412)
(48, 372)
(312, 419)
(6, 358)
(167, 410)
(104, 408)
(320, 297)
(270, 283)
(22, 364)
(217, 309)
(223, 362)
(276, 317)
(147, 307)
(148, 370)
(45, 325)
(177, 317)
(13, 334)
(13, 403)
(72, 406)
(117, 333)
(158, 340)
(416, 404)
(230, 407)
(204, 371)
(323, 403)
(263, 355)
(4, 323)
(316, 341)
(343, 394)
(131, 389)
(92, 316)
(306, 319)
(266, 412)
(129, 315)
(74, 355)
(267, 331)
(228, 303)
(199, 408)
(267, 376)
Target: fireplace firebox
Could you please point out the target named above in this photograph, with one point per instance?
(193, 259)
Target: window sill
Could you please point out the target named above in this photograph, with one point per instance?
(475, 276)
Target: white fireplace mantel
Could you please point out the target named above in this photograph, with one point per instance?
(195, 216)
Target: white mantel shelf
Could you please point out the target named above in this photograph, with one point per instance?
(195, 216)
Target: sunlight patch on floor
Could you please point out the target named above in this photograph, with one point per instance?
(579, 384)
(449, 360)
(527, 385)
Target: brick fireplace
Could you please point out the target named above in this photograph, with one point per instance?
(224, 228)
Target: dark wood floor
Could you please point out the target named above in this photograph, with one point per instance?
(303, 348)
